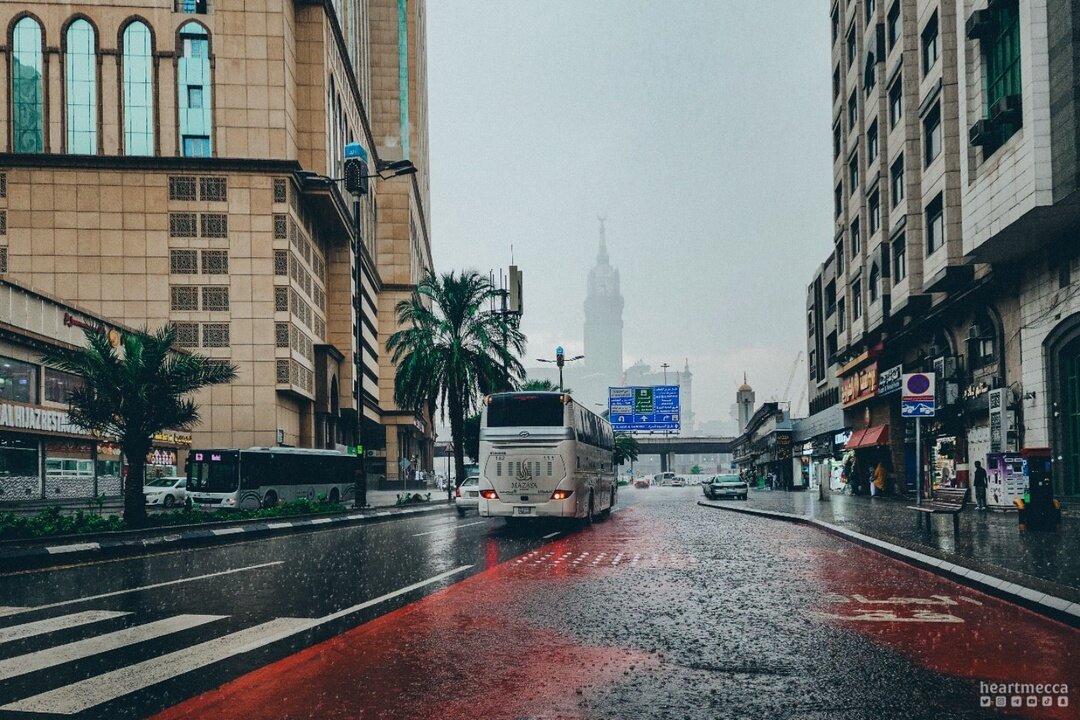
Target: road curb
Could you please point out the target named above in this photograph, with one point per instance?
(1056, 608)
(42, 556)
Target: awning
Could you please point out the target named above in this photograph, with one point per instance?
(870, 437)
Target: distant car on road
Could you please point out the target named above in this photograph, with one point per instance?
(642, 482)
(166, 492)
(678, 481)
(721, 486)
(468, 495)
(664, 479)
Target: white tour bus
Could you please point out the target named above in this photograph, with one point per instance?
(543, 455)
(262, 476)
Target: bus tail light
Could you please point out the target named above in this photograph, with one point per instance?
(561, 494)
(489, 494)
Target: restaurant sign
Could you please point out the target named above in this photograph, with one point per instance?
(859, 385)
(29, 417)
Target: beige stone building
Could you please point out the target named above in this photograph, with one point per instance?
(181, 161)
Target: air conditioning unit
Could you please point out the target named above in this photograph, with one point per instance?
(981, 133)
(979, 25)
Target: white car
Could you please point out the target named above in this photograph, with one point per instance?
(167, 492)
(725, 486)
(468, 495)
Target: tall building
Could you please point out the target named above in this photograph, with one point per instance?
(744, 399)
(180, 162)
(955, 149)
(603, 325)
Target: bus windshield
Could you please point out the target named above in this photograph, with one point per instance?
(213, 472)
(525, 410)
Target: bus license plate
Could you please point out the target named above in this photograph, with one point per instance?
(523, 511)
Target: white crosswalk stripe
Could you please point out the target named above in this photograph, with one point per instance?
(40, 627)
(5, 610)
(93, 691)
(51, 657)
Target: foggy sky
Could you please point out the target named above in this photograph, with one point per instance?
(700, 130)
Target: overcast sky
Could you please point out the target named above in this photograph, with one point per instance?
(700, 129)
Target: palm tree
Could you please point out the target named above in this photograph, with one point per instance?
(450, 350)
(626, 448)
(136, 393)
(543, 386)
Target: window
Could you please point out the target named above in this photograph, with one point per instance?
(214, 189)
(896, 102)
(875, 281)
(853, 110)
(930, 44)
(871, 143)
(214, 225)
(836, 140)
(281, 262)
(59, 384)
(215, 298)
(195, 7)
(215, 335)
(81, 96)
(856, 239)
(281, 334)
(184, 298)
(18, 381)
(841, 315)
(27, 105)
(215, 262)
(281, 299)
(181, 187)
(836, 83)
(856, 300)
(853, 174)
(875, 212)
(851, 46)
(281, 193)
(899, 254)
(932, 134)
(1001, 67)
(835, 23)
(896, 180)
(194, 82)
(871, 7)
(182, 225)
(182, 262)
(137, 60)
(838, 200)
(935, 225)
(830, 299)
(892, 22)
(187, 334)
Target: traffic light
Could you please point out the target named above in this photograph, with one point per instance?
(560, 356)
(356, 176)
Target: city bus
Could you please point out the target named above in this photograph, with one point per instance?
(544, 455)
(263, 476)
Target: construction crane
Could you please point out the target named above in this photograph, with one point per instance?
(786, 396)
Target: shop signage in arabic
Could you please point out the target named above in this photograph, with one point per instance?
(889, 380)
(858, 386)
(28, 417)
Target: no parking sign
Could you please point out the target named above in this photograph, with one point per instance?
(917, 395)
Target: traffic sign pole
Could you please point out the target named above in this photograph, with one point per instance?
(918, 461)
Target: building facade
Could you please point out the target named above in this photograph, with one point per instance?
(954, 142)
(182, 162)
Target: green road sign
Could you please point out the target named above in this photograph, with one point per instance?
(643, 400)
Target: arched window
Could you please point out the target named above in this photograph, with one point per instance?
(194, 90)
(138, 90)
(81, 96)
(28, 109)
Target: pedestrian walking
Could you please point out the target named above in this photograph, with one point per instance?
(877, 483)
(980, 486)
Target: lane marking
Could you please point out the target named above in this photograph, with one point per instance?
(93, 691)
(114, 593)
(32, 662)
(548, 537)
(76, 547)
(4, 610)
(41, 627)
(450, 527)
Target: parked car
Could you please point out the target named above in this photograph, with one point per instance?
(167, 492)
(721, 486)
(678, 481)
(642, 482)
(468, 495)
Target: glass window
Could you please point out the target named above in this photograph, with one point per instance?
(893, 22)
(841, 315)
(838, 200)
(872, 143)
(18, 381)
(875, 280)
(59, 384)
(935, 225)
(836, 83)
(896, 102)
(81, 77)
(899, 250)
(932, 135)
(836, 138)
(853, 110)
(526, 410)
(840, 256)
(1001, 67)
(20, 474)
(856, 300)
(871, 7)
(853, 174)
(851, 46)
(856, 239)
(896, 180)
(930, 44)
(194, 83)
(28, 118)
(875, 212)
(138, 91)
(835, 23)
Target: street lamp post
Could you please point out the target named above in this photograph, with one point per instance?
(560, 360)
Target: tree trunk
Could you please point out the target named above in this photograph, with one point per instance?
(134, 501)
(457, 436)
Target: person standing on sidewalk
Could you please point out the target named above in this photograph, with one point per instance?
(980, 486)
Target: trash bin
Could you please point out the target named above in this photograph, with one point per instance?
(1039, 511)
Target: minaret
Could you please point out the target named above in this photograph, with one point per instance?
(603, 320)
(686, 397)
(745, 400)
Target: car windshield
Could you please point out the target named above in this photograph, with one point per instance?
(471, 481)
(161, 482)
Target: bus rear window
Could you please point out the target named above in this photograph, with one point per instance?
(541, 410)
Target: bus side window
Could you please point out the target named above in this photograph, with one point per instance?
(253, 469)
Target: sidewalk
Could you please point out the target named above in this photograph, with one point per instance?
(989, 542)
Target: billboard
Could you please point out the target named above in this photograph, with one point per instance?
(644, 408)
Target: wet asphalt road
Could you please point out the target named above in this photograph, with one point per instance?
(667, 609)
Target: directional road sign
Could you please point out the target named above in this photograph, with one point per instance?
(917, 396)
(644, 408)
